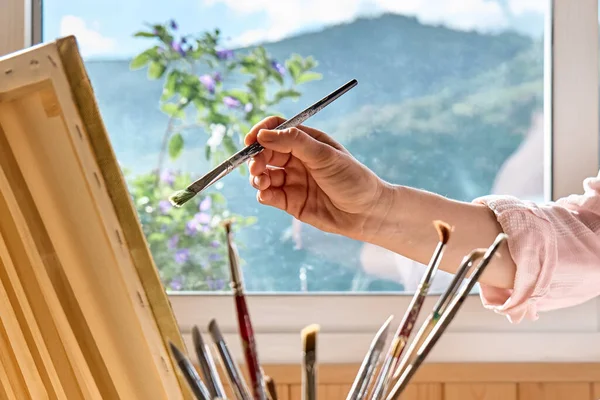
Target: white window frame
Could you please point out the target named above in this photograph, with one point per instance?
(348, 321)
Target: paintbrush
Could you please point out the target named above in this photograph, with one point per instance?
(410, 317)
(207, 365)
(189, 372)
(244, 322)
(309, 361)
(445, 320)
(271, 388)
(179, 198)
(363, 378)
(240, 389)
(439, 309)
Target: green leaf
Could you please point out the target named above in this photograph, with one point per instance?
(294, 68)
(140, 60)
(156, 70)
(309, 76)
(240, 95)
(207, 152)
(172, 110)
(175, 146)
(277, 77)
(287, 93)
(171, 83)
(229, 145)
(144, 34)
(309, 63)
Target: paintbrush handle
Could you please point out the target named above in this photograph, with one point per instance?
(235, 377)
(381, 383)
(209, 369)
(414, 346)
(195, 383)
(309, 381)
(249, 345)
(366, 383)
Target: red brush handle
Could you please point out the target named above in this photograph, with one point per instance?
(249, 344)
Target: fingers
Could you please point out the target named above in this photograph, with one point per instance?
(271, 178)
(267, 123)
(259, 163)
(298, 143)
(273, 122)
(274, 197)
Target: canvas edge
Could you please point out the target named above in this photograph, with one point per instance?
(116, 186)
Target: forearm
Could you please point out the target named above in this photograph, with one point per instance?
(403, 223)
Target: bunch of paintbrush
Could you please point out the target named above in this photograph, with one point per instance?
(395, 370)
(212, 387)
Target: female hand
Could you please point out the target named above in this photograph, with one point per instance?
(312, 177)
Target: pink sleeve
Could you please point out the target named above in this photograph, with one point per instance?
(556, 248)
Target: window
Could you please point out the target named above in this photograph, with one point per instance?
(448, 100)
(438, 83)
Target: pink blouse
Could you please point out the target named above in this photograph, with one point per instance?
(556, 247)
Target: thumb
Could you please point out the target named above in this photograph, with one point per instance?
(298, 143)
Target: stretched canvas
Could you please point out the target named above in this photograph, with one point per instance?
(84, 314)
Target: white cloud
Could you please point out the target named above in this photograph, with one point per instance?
(519, 7)
(90, 40)
(289, 16)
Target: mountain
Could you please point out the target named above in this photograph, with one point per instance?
(435, 108)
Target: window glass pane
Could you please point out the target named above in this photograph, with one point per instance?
(449, 100)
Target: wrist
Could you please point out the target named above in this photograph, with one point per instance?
(384, 218)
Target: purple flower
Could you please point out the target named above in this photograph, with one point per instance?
(205, 204)
(164, 206)
(215, 284)
(214, 257)
(178, 48)
(177, 283)
(248, 107)
(173, 25)
(191, 228)
(173, 241)
(215, 244)
(198, 224)
(202, 218)
(224, 54)
(181, 256)
(277, 66)
(208, 82)
(167, 177)
(231, 102)
(217, 76)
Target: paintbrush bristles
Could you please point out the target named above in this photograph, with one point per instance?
(309, 337)
(179, 198)
(444, 230)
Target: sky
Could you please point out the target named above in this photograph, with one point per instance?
(104, 29)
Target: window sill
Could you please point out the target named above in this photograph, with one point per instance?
(349, 322)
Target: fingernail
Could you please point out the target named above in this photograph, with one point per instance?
(255, 180)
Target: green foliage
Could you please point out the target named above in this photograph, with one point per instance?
(187, 243)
